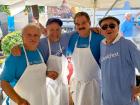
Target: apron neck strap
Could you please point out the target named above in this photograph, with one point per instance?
(27, 57)
(89, 39)
(49, 45)
(40, 56)
(27, 61)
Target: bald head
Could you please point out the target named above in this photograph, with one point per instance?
(127, 16)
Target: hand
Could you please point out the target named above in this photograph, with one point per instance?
(96, 29)
(52, 74)
(16, 51)
(22, 101)
(135, 92)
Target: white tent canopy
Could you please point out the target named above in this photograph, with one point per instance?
(103, 3)
(77, 3)
(57, 3)
(9, 2)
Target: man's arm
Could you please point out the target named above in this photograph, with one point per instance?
(96, 29)
(12, 94)
(135, 92)
(135, 55)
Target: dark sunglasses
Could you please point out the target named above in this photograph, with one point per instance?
(111, 26)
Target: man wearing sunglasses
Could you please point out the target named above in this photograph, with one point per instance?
(119, 58)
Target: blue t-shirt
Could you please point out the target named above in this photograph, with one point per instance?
(14, 66)
(138, 23)
(127, 27)
(83, 42)
(118, 62)
(55, 48)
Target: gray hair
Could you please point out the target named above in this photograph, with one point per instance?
(31, 25)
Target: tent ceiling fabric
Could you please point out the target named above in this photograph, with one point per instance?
(57, 3)
(76, 3)
(119, 4)
(135, 3)
(81, 3)
(9, 2)
(102, 3)
(33, 2)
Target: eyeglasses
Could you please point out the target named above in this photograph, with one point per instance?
(111, 26)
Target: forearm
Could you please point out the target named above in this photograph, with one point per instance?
(10, 91)
(135, 92)
(138, 89)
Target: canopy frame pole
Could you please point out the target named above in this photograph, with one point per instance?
(111, 7)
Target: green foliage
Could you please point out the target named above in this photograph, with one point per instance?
(10, 40)
(40, 8)
(4, 8)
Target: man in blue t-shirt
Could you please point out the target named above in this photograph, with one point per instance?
(52, 47)
(84, 48)
(128, 25)
(119, 58)
(24, 72)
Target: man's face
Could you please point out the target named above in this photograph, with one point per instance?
(31, 37)
(109, 28)
(53, 31)
(82, 25)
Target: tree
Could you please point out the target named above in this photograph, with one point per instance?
(40, 8)
(4, 8)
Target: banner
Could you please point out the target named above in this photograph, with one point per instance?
(11, 24)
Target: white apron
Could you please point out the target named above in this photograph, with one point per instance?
(57, 90)
(32, 84)
(85, 85)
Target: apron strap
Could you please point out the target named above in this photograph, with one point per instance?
(27, 57)
(27, 61)
(49, 45)
(89, 39)
(40, 56)
(60, 48)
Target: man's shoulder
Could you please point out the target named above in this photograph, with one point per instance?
(74, 35)
(97, 36)
(127, 42)
(43, 39)
(43, 42)
(125, 22)
(13, 59)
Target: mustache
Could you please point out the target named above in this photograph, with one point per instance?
(83, 28)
